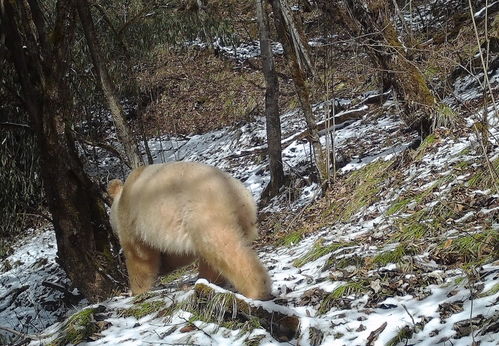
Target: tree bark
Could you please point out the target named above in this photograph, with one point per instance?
(273, 122)
(371, 19)
(292, 52)
(79, 216)
(124, 134)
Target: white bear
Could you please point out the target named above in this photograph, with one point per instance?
(168, 215)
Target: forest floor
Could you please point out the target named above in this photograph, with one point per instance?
(402, 249)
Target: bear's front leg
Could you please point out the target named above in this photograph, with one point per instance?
(210, 274)
(142, 263)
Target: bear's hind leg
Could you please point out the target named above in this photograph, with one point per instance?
(225, 251)
(143, 264)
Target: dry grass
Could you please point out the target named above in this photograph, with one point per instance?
(194, 91)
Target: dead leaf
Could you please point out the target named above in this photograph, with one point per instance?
(375, 285)
(448, 243)
(188, 328)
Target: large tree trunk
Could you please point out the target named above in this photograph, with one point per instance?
(124, 134)
(79, 216)
(273, 121)
(297, 61)
(370, 19)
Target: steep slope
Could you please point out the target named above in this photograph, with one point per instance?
(403, 249)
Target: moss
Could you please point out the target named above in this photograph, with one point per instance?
(143, 309)
(319, 250)
(78, 328)
(350, 288)
(364, 187)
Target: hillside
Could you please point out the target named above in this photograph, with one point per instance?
(402, 248)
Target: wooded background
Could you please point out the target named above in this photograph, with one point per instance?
(74, 69)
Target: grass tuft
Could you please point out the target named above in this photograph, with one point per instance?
(78, 328)
(319, 250)
(350, 288)
(393, 256)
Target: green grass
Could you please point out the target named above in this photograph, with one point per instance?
(404, 333)
(318, 250)
(344, 262)
(292, 238)
(398, 205)
(473, 249)
(393, 256)
(423, 223)
(491, 291)
(427, 143)
(363, 189)
(175, 275)
(349, 288)
(483, 179)
(222, 309)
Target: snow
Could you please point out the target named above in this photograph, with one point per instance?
(32, 264)
(354, 317)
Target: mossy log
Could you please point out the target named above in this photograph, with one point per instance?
(226, 307)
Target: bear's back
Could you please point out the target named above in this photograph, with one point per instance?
(176, 198)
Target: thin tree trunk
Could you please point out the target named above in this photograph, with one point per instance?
(371, 19)
(273, 121)
(79, 216)
(292, 51)
(124, 134)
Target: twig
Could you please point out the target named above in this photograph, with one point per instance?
(198, 328)
(412, 318)
(341, 119)
(471, 281)
(101, 145)
(15, 125)
(375, 333)
(14, 294)
(43, 216)
(26, 336)
(482, 60)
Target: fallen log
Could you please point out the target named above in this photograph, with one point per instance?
(226, 307)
